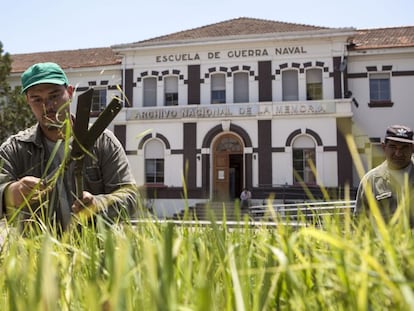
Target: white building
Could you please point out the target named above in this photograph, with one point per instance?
(249, 103)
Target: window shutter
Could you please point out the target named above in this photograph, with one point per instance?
(241, 87)
(290, 85)
(150, 92)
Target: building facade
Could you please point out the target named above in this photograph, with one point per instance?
(275, 107)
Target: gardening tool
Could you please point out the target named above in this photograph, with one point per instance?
(84, 138)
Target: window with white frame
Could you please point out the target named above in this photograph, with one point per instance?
(218, 88)
(379, 87)
(304, 160)
(290, 85)
(98, 99)
(314, 84)
(171, 91)
(241, 87)
(154, 162)
(150, 92)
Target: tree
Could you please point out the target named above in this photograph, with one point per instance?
(15, 114)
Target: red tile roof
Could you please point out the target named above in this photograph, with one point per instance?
(234, 27)
(68, 59)
(363, 39)
(383, 38)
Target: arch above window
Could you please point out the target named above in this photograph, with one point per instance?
(154, 149)
(229, 143)
(298, 132)
(303, 141)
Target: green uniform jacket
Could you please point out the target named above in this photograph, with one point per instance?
(386, 191)
(106, 173)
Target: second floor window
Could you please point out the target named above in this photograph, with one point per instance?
(314, 84)
(218, 89)
(150, 92)
(290, 85)
(98, 100)
(241, 87)
(379, 87)
(171, 91)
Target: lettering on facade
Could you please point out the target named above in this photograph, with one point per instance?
(290, 50)
(177, 57)
(243, 53)
(167, 113)
(243, 110)
(247, 53)
(298, 109)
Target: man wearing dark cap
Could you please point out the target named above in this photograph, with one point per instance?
(392, 182)
(29, 156)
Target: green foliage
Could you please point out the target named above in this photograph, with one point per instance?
(15, 114)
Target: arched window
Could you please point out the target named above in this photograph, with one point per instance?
(171, 91)
(304, 160)
(150, 92)
(218, 88)
(154, 162)
(290, 85)
(241, 87)
(314, 84)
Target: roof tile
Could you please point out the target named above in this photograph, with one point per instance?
(67, 59)
(383, 38)
(234, 27)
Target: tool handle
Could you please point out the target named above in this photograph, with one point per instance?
(78, 179)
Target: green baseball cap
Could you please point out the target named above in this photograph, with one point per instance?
(43, 73)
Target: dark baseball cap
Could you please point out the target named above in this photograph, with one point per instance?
(399, 133)
(43, 73)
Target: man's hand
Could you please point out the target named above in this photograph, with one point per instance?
(28, 188)
(86, 207)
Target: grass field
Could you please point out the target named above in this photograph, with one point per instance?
(156, 265)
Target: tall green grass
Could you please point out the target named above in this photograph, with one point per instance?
(164, 266)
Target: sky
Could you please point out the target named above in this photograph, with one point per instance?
(28, 26)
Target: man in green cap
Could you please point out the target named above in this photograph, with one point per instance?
(29, 156)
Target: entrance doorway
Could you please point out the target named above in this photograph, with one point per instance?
(228, 168)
